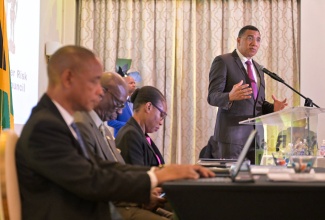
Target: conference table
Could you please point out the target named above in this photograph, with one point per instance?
(207, 199)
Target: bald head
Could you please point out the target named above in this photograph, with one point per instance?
(115, 94)
(113, 82)
(69, 57)
(131, 84)
(74, 78)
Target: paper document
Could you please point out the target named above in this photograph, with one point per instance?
(297, 177)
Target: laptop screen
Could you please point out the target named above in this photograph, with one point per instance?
(241, 158)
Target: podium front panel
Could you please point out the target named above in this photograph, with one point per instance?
(292, 131)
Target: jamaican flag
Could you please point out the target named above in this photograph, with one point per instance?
(6, 107)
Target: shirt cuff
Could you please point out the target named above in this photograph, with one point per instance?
(153, 177)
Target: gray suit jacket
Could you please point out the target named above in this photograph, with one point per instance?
(226, 71)
(94, 138)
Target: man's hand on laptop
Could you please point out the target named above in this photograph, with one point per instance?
(176, 172)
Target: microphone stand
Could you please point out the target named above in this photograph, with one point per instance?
(308, 101)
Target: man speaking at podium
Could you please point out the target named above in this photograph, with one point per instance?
(237, 87)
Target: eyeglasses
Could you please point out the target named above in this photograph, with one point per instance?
(251, 39)
(163, 114)
(117, 103)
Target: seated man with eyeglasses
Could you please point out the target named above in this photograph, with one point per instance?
(149, 112)
(127, 111)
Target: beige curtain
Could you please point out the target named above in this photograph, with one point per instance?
(172, 44)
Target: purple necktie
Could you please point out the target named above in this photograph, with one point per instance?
(251, 77)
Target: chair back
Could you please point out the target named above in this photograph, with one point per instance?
(10, 205)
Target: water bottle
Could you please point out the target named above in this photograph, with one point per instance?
(322, 149)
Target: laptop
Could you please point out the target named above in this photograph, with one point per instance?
(234, 174)
(213, 162)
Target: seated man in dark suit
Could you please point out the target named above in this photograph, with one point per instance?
(59, 176)
(100, 140)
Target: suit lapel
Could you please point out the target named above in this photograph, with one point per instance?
(106, 147)
(46, 102)
(103, 145)
(137, 126)
(241, 67)
(98, 136)
(148, 145)
(112, 146)
(157, 152)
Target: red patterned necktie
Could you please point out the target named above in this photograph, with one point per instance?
(251, 77)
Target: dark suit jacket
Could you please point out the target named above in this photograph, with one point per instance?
(121, 119)
(226, 71)
(134, 146)
(57, 182)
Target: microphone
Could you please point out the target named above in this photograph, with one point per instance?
(272, 75)
(308, 101)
